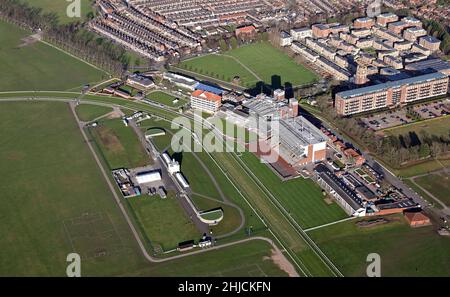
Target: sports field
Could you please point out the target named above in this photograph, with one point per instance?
(119, 144)
(164, 222)
(301, 197)
(54, 204)
(59, 7)
(404, 251)
(38, 66)
(438, 184)
(264, 62)
(89, 112)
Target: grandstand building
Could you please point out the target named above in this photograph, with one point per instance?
(391, 94)
(300, 142)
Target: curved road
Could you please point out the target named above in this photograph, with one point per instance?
(224, 198)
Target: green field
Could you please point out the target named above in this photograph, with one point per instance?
(404, 251)
(163, 220)
(231, 219)
(301, 197)
(262, 58)
(424, 195)
(165, 99)
(89, 112)
(38, 66)
(59, 7)
(438, 184)
(247, 192)
(423, 167)
(55, 201)
(438, 126)
(220, 67)
(54, 204)
(259, 56)
(119, 145)
(244, 260)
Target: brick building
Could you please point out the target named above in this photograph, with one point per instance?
(391, 94)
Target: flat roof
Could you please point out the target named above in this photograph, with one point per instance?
(416, 29)
(285, 34)
(430, 39)
(399, 23)
(339, 186)
(436, 64)
(387, 15)
(409, 19)
(364, 19)
(394, 84)
(321, 26)
(304, 29)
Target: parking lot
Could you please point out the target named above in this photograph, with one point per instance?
(386, 120)
(433, 109)
(422, 111)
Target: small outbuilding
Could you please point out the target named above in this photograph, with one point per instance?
(417, 219)
(148, 177)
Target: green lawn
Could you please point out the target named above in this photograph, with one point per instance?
(89, 112)
(251, 259)
(422, 167)
(231, 219)
(437, 184)
(438, 126)
(262, 58)
(59, 7)
(56, 201)
(424, 195)
(301, 197)
(165, 99)
(220, 67)
(404, 251)
(54, 204)
(245, 188)
(267, 61)
(164, 222)
(119, 145)
(38, 66)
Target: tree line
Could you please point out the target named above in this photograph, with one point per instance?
(396, 150)
(72, 37)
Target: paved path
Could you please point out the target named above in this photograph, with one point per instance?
(224, 198)
(192, 213)
(243, 65)
(445, 208)
(329, 224)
